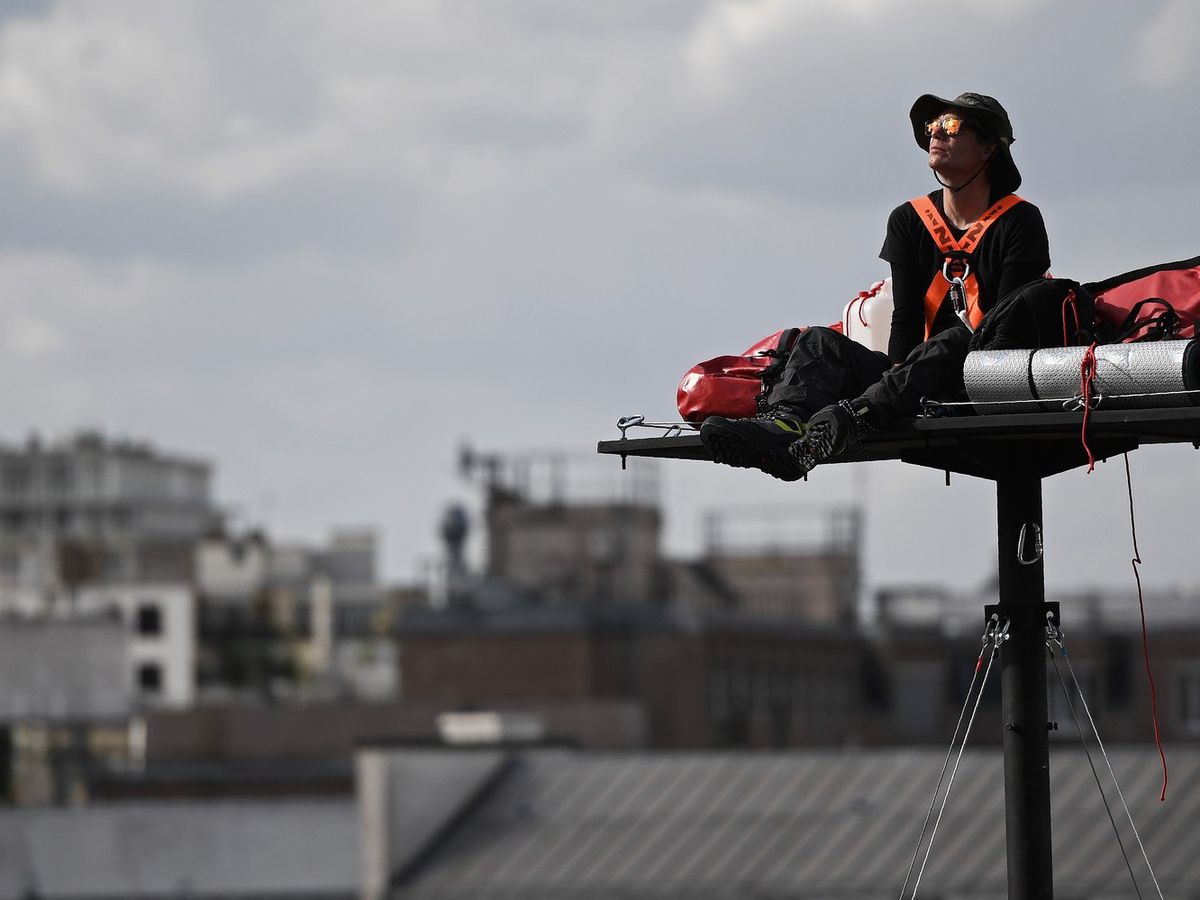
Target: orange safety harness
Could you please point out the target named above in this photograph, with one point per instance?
(956, 276)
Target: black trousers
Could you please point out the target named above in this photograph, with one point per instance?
(826, 366)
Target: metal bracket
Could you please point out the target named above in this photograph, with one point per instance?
(1050, 611)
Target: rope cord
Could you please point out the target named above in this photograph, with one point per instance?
(669, 425)
(1087, 377)
(1135, 562)
(1088, 753)
(1097, 399)
(862, 298)
(1055, 635)
(672, 429)
(996, 634)
(955, 190)
(1069, 303)
(946, 762)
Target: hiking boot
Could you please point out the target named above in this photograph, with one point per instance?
(830, 432)
(758, 443)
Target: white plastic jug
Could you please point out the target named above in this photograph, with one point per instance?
(868, 317)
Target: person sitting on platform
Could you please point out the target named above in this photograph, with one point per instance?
(953, 254)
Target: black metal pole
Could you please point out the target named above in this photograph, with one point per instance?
(1023, 688)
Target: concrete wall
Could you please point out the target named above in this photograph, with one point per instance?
(160, 620)
(64, 669)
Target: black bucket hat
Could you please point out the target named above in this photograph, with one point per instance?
(987, 115)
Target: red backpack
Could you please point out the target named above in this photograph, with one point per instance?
(735, 386)
(1161, 301)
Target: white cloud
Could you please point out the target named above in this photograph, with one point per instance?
(733, 32)
(278, 234)
(32, 338)
(171, 95)
(1166, 47)
(328, 394)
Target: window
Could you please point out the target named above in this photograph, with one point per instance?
(149, 620)
(16, 477)
(149, 678)
(718, 690)
(58, 476)
(1185, 685)
(1118, 670)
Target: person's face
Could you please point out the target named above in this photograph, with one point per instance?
(955, 145)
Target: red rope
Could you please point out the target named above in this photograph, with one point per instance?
(1137, 561)
(864, 296)
(1069, 301)
(1087, 375)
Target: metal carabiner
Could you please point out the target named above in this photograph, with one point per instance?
(966, 270)
(958, 291)
(1054, 634)
(1037, 544)
(1001, 634)
(1076, 404)
(996, 632)
(627, 422)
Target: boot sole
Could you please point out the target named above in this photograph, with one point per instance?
(729, 448)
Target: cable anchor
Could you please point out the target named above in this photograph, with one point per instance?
(626, 422)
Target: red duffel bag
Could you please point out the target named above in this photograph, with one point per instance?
(1160, 301)
(735, 386)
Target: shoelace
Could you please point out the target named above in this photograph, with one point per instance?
(815, 447)
(822, 439)
(860, 426)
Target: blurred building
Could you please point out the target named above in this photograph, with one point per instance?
(66, 707)
(260, 675)
(90, 510)
(160, 621)
(927, 640)
(97, 608)
(167, 849)
(499, 821)
(289, 620)
(758, 641)
(92, 526)
(752, 644)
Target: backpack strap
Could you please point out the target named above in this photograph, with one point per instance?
(1159, 324)
(957, 253)
(779, 359)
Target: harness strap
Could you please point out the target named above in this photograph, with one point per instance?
(956, 252)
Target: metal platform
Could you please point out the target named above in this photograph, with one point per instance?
(1017, 452)
(984, 446)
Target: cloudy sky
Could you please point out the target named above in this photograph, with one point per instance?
(324, 243)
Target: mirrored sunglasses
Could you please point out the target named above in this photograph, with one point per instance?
(948, 124)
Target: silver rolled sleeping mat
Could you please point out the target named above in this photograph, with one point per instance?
(997, 381)
(1128, 376)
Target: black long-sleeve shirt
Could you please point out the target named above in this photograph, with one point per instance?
(1013, 251)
